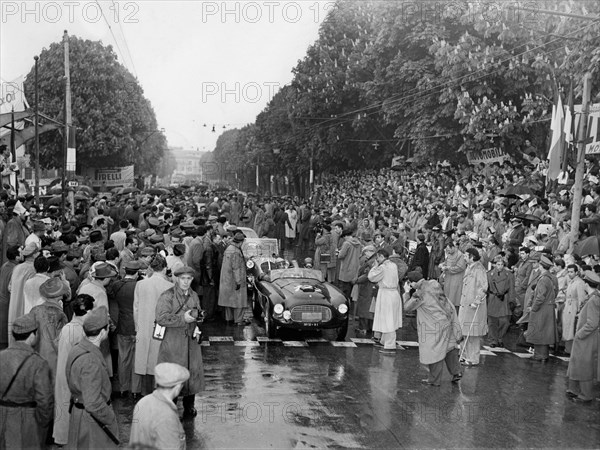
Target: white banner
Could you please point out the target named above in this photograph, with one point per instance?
(111, 176)
(12, 96)
(487, 156)
(592, 147)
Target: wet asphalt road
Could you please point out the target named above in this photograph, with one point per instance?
(268, 395)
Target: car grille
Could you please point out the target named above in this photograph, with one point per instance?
(311, 313)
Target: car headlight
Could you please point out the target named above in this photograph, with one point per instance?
(287, 315)
(250, 264)
(278, 309)
(343, 308)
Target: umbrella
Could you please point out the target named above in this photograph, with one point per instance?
(81, 196)
(516, 190)
(589, 246)
(528, 217)
(157, 191)
(56, 201)
(129, 190)
(86, 189)
(116, 190)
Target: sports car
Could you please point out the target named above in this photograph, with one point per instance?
(284, 296)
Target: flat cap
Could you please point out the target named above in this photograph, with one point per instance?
(132, 265)
(546, 262)
(53, 288)
(148, 251)
(184, 270)
(96, 319)
(24, 324)
(170, 374)
(414, 276)
(591, 277)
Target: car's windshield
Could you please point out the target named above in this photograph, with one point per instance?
(296, 272)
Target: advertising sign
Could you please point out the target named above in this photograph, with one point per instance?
(111, 176)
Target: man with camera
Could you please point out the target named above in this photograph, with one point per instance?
(178, 310)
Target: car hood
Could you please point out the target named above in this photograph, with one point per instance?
(303, 290)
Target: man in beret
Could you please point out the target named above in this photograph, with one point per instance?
(26, 408)
(93, 423)
(178, 310)
(583, 364)
(233, 295)
(541, 330)
(121, 294)
(155, 421)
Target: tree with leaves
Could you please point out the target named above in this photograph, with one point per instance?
(115, 124)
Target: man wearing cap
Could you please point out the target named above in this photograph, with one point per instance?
(522, 272)
(437, 327)
(233, 295)
(50, 320)
(541, 330)
(145, 298)
(26, 389)
(15, 231)
(501, 294)
(93, 423)
(155, 420)
(38, 230)
(121, 294)
(178, 309)
(583, 364)
(472, 314)
(20, 275)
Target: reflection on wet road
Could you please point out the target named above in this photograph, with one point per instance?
(317, 396)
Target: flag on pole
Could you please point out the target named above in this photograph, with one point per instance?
(556, 146)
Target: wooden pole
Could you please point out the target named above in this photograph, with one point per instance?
(67, 118)
(581, 138)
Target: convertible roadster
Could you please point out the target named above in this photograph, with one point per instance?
(291, 297)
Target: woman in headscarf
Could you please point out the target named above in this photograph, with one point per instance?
(437, 327)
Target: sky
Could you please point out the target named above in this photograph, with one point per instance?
(199, 62)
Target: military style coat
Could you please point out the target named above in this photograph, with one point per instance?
(233, 271)
(583, 365)
(542, 323)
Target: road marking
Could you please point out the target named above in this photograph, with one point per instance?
(226, 339)
(407, 343)
(343, 344)
(295, 344)
(246, 344)
(497, 349)
(362, 341)
(487, 353)
(523, 355)
(266, 340)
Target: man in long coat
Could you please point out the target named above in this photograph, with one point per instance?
(453, 270)
(5, 276)
(93, 423)
(437, 328)
(20, 275)
(233, 295)
(15, 231)
(26, 408)
(501, 294)
(145, 298)
(583, 365)
(472, 315)
(575, 295)
(178, 309)
(541, 330)
(388, 305)
(523, 271)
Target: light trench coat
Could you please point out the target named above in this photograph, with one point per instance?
(575, 294)
(388, 306)
(70, 335)
(145, 297)
(473, 321)
(20, 275)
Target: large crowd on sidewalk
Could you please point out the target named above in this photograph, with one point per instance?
(111, 301)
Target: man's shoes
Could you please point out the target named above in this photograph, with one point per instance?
(456, 377)
(378, 344)
(428, 383)
(501, 344)
(494, 345)
(539, 358)
(571, 394)
(190, 413)
(387, 351)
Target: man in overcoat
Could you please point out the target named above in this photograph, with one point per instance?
(26, 391)
(233, 295)
(541, 330)
(472, 315)
(20, 275)
(501, 293)
(93, 423)
(583, 365)
(178, 309)
(453, 270)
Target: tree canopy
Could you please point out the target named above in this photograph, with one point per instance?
(115, 124)
(443, 78)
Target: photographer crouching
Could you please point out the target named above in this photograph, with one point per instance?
(178, 311)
